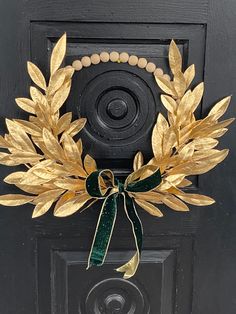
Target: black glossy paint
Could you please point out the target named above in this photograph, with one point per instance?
(188, 264)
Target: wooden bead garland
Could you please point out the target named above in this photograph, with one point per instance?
(122, 57)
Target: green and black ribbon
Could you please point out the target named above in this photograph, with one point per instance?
(96, 185)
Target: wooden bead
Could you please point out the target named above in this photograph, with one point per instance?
(167, 77)
(124, 57)
(150, 67)
(77, 65)
(86, 61)
(133, 60)
(158, 72)
(95, 58)
(114, 56)
(142, 62)
(104, 56)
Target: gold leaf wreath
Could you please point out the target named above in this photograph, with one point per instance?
(55, 169)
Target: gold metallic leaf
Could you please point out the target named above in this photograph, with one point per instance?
(151, 209)
(179, 84)
(220, 108)
(189, 75)
(89, 164)
(41, 209)
(58, 54)
(175, 203)
(169, 103)
(15, 199)
(70, 184)
(184, 183)
(26, 104)
(47, 196)
(52, 145)
(169, 140)
(75, 127)
(20, 136)
(71, 149)
(37, 96)
(185, 105)
(138, 161)
(166, 86)
(204, 143)
(197, 93)
(64, 198)
(56, 81)
(29, 127)
(196, 199)
(60, 97)
(36, 75)
(175, 58)
(32, 189)
(14, 177)
(63, 123)
(31, 179)
(72, 205)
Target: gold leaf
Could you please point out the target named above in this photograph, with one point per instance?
(157, 138)
(15, 199)
(218, 133)
(184, 183)
(37, 96)
(89, 164)
(138, 161)
(72, 205)
(196, 199)
(175, 179)
(75, 127)
(197, 93)
(76, 169)
(19, 136)
(174, 203)
(63, 122)
(64, 198)
(185, 105)
(151, 209)
(189, 75)
(175, 58)
(179, 84)
(204, 143)
(3, 142)
(166, 86)
(220, 108)
(47, 196)
(186, 152)
(71, 149)
(70, 184)
(60, 97)
(56, 81)
(36, 75)
(26, 157)
(169, 141)
(32, 189)
(14, 177)
(41, 209)
(31, 179)
(26, 104)
(58, 54)
(151, 196)
(29, 127)
(169, 103)
(52, 145)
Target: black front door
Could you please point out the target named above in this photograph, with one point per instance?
(188, 261)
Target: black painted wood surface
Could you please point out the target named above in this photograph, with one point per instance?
(188, 264)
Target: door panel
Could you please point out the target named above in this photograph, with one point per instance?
(189, 258)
